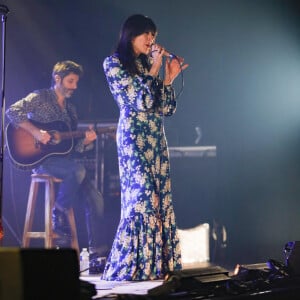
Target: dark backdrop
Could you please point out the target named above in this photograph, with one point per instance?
(242, 89)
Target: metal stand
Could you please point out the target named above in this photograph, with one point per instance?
(100, 154)
(99, 163)
(102, 163)
(3, 12)
(98, 159)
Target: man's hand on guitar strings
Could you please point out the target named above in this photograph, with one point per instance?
(44, 137)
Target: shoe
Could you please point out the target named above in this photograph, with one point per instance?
(97, 264)
(60, 223)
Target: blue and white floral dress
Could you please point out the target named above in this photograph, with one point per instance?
(146, 245)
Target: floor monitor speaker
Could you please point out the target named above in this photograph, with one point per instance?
(191, 280)
(34, 274)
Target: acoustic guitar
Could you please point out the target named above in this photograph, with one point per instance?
(26, 152)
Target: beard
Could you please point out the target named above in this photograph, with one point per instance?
(67, 92)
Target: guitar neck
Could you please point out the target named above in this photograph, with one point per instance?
(72, 134)
(81, 134)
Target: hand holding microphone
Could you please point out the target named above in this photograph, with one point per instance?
(173, 66)
(161, 50)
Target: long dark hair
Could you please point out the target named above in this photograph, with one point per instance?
(135, 25)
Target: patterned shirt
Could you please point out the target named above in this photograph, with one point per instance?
(42, 106)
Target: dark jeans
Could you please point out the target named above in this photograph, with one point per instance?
(77, 186)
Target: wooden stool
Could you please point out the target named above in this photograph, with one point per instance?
(48, 235)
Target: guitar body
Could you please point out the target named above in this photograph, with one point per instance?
(27, 153)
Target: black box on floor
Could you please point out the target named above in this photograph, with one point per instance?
(190, 280)
(35, 274)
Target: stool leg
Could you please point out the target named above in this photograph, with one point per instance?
(33, 191)
(52, 194)
(48, 235)
(49, 202)
(74, 241)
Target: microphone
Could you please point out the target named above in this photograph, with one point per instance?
(4, 9)
(166, 53)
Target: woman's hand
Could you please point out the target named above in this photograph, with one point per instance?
(173, 67)
(157, 53)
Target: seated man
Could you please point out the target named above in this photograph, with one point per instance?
(47, 109)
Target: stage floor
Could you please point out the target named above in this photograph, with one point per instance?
(204, 281)
(111, 289)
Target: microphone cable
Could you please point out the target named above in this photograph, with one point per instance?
(177, 95)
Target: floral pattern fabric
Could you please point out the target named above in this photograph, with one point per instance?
(146, 245)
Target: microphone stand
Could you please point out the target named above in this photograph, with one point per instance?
(3, 12)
